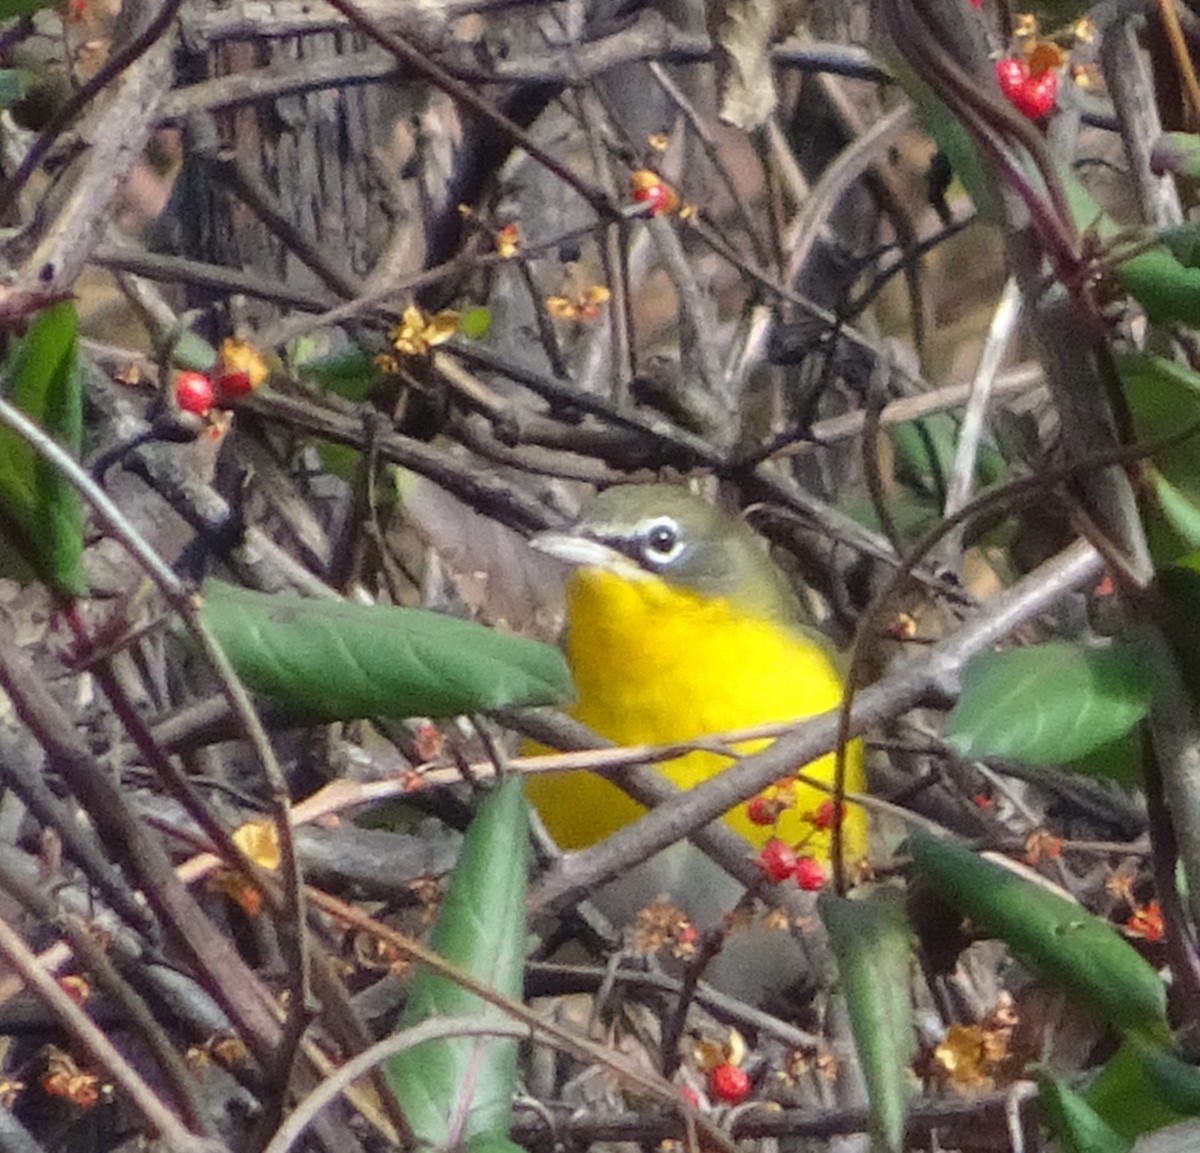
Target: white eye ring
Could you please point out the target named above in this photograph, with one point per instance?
(661, 541)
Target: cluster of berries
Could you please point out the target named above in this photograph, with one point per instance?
(240, 370)
(197, 393)
(779, 860)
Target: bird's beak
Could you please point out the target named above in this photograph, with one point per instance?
(582, 552)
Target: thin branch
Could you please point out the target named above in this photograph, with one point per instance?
(97, 962)
(79, 100)
(363, 1063)
(120, 130)
(250, 724)
(420, 60)
(1005, 319)
(180, 270)
(90, 1036)
(933, 676)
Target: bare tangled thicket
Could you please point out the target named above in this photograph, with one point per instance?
(298, 175)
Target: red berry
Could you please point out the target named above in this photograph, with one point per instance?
(777, 859)
(1032, 96)
(651, 190)
(234, 385)
(1011, 75)
(1039, 96)
(810, 874)
(828, 814)
(690, 1096)
(729, 1083)
(655, 197)
(194, 393)
(761, 810)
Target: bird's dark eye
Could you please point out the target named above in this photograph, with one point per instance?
(661, 542)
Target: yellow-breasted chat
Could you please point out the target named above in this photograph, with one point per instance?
(679, 625)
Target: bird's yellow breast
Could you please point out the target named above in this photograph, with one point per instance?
(654, 663)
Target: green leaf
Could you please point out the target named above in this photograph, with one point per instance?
(1049, 703)
(350, 372)
(1180, 512)
(1179, 586)
(334, 660)
(1074, 1122)
(1143, 1087)
(924, 453)
(11, 8)
(493, 1143)
(1164, 399)
(458, 1091)
(953, 140)
(1183, 241)
(1177, 152)
(40, 513)
(1119, 760)
(871, 939)
(475, 323)
(1167, 290)
(191, 351)
(1052, 936)
(341, 460)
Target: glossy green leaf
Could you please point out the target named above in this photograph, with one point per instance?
(1167, 290)
(1048, 703)
(40, 513)
(458, 1091)
(1175, 1081)
(1052, 936)
(333, 660)
(1078, 1127)
(1143, 1087)
(924, 453)
(1180, 512)
(871, 940)
(1119, 760)
(1164, 400)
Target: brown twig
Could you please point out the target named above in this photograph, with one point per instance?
(161, 1120)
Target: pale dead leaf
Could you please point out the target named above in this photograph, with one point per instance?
(748, 95)
(493, 569)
